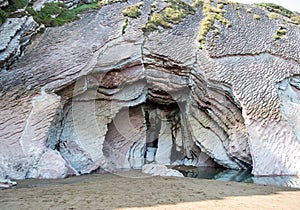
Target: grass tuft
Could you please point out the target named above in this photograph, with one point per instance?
(197, 3)
(8, 11)
(173, 13)
(3, 16)
(276, 9)
(14, 5)
(280, 32)
(296, 19)
(256, 17)
(125, 24)
(273, 15)
(220, 6)
(133, 11)
(211, 14)
(271, 7)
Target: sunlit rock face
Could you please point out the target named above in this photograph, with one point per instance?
(87, 98)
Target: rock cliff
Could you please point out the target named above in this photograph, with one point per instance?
(115, 90)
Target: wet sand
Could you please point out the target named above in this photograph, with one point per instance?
(133, 190)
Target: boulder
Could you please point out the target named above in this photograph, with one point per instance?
(160, 170)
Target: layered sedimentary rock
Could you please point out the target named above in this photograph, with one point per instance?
(17, 30)
(89, 96)
(15, 34)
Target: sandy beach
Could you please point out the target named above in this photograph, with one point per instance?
(133, 190)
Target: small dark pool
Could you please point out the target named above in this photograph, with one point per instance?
(238, 176)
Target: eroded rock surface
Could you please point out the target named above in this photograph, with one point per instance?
(89, 97)
(15, 34)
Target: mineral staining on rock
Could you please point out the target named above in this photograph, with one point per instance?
(89, 96)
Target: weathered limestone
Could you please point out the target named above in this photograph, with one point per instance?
(87, 97)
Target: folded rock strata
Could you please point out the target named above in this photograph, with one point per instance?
(87, 97)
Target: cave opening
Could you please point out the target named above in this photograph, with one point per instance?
(156, 116)
(164, 129)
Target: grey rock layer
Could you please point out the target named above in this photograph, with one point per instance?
(15, 34)
(87, 98)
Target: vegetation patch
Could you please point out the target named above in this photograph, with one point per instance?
(133, 11)
(14, 5)
(273, 15)
(233, 4)
(125, 24)
(56, 14)
(197, 3)
(173, 13)
(153, 7)
(52, 14)
(211, 14)
(256, 17)
(9, 10)
(274, 8)
(296, 19)
(220, 6)
(102, 3)
(280, 32)
(3, 16)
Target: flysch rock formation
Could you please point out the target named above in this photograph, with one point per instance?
(15, 34)
(87, 97)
